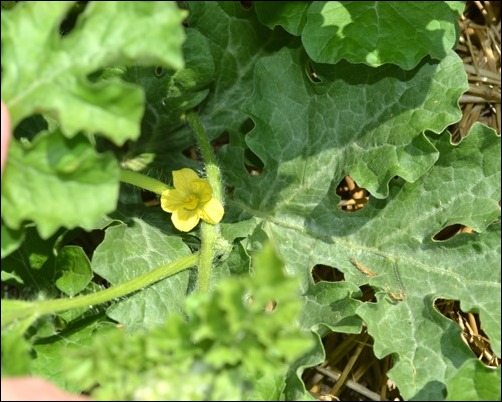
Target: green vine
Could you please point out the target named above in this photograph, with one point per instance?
(209, 233)
(16, 310)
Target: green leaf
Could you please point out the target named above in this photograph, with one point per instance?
(43, 72)
(376, 32)
(464, 176)
(294, 389)
(11, 239)
(75, 268)
(32, 266)
(358, 122)
(474, 382)
(291, 15)
(58, 182)
(237, 41)
(134, 248)
(331, 305)
(222, 82)
(17, 315)
(169, 94)
(223, 44)
(50, 351)
(16, 359)
(457, 7)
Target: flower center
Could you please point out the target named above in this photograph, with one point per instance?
(191, 202)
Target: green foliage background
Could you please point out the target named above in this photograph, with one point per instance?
(303, 93)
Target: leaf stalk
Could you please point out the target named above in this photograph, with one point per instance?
(40, 308)
(142, 181)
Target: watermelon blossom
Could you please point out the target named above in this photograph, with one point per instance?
(190, 200)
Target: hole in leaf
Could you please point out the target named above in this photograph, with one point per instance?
(474, 13)
(193, 152)
(253, 171)
(246, 126)
(89, 241)
(29, 127)
(229, 190)
(71, 18)
(246, 5)
(354, 354)
(449, 231)
(159, 71)
(352, 196)
(309, 69)
(183, 6)
(223, 139)
(472, 331)
(149, 198)
(253, 164)
(368, 294)
(327, 274)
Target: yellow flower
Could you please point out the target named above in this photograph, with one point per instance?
(190, 200)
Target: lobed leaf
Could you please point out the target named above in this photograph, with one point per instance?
(237, 41)
(56, 181)
(377, 33)
(309, 135)
(291, 15)
(359, 121)
(43, 72)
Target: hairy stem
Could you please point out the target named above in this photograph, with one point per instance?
(209, 236)
(209, 233)
(212, 169)
(39, 308)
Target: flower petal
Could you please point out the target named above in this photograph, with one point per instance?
(212, 211)
(182, 179)
(184, 219)
(171, 200)
(203, 189)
